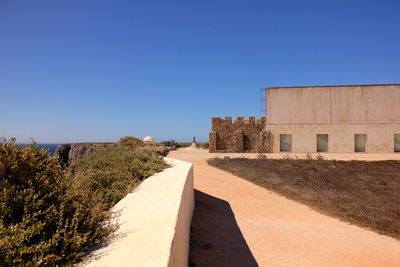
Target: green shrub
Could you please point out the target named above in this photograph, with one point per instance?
(171, 142)
(112, 172)
(131, 141)
(180, 145)
(43, 222)
(51, 217)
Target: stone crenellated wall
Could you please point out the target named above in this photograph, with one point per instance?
(240, 135)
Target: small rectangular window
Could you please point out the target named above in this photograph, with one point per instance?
(397, 143)
(360, 143)
(285, 142)
(322, 143)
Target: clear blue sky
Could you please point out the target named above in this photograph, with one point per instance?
(96, 70)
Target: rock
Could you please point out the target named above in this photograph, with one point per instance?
(69, 154)
(62, 153)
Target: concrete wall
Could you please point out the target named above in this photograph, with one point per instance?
(154, 222)
(380, 137)
(335, 104)
(339, 111)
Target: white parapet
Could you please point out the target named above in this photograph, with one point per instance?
(154, 222)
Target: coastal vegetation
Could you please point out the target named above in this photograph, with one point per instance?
(131, 141)
(360, 192)
(203, 145)
(51, 216)
(112, 172)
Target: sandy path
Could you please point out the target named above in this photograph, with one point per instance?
(238, 223)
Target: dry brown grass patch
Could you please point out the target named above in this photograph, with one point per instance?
(359, 192)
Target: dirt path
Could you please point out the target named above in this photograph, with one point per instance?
(237, 223)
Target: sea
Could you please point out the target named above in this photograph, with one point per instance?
(51, 148)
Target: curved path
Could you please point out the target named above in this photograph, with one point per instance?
(237, 223)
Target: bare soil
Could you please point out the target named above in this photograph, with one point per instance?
(360, 192)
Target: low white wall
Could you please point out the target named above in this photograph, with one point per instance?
(154, 222)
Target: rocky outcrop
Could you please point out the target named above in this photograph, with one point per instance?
(69, 154)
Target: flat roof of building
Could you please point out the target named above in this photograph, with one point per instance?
(346, 85)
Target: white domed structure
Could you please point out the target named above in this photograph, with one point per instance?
(148, 140)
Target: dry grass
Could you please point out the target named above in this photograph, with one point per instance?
(359, 192)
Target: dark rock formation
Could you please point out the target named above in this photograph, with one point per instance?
(69, 154)
(62, 153)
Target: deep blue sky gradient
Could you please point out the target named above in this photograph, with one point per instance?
(96, 70)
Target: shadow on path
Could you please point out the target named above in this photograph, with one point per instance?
(216, 239)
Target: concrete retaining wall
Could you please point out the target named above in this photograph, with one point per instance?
(154, 222)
